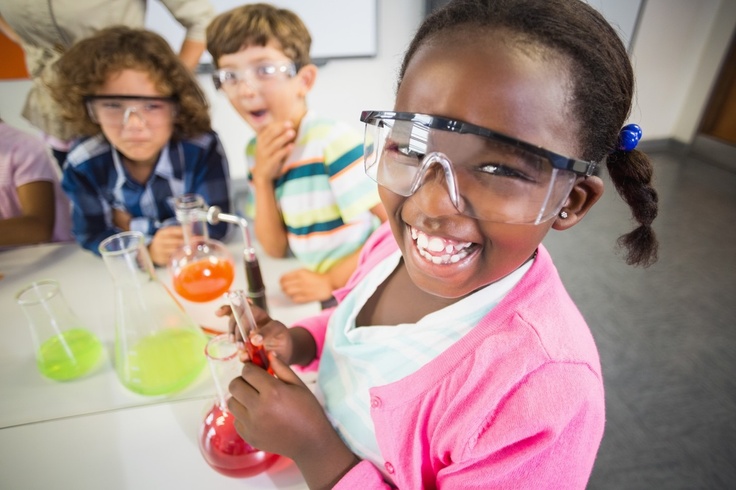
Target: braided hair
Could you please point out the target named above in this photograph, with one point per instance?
(603, 89)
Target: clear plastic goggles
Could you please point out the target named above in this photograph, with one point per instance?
(115, 110)
(487, 175)
(255, 76)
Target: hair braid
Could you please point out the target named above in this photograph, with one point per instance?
(631, 173)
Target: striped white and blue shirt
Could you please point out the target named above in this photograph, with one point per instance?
(323, 193)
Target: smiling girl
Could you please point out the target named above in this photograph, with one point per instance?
(455, 357)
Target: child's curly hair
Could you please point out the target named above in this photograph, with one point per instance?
(87, 65)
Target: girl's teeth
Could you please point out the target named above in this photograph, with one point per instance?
(427, 247)
(436, 245)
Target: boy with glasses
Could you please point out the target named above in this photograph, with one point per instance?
(310, 194)
(147, 140)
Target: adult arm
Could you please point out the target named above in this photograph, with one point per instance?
(194, 16)
(8, 31)
(36, 223)
(190, 53)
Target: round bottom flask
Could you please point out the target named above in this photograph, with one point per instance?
(225, 451)
(221, 446)
(202, 271)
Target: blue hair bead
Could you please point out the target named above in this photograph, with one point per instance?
(629, 137)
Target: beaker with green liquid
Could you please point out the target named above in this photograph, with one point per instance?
(159, 349)
(65, 348)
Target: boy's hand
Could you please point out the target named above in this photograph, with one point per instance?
(274, 144)
(165, 242)
(303, 286)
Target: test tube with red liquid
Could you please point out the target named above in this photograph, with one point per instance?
(247, 325)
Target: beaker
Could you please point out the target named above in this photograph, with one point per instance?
(221, 446)
(203, 269)
(65, 348)
(158, 347)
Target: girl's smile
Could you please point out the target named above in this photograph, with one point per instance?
(446, 253)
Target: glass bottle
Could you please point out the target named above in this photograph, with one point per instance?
(65, 348)
(158, 348)
(221, 446)
(203, 269)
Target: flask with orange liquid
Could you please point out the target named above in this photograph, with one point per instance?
(203, 269)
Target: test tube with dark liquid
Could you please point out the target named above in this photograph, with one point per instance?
(256, 287)
(248, 327)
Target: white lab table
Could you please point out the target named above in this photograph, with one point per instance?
(92, 432)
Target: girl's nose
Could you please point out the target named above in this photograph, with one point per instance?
(433, 195)
(435, 186)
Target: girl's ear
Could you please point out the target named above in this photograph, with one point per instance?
(306, 76)
(585, 193)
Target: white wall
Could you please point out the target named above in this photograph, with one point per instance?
(677, 53)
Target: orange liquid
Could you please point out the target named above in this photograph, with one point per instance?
(204, 280)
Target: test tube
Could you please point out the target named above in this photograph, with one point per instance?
(247, 325)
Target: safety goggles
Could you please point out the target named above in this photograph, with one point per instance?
(256, 76)
(488, 175)
(115, 110)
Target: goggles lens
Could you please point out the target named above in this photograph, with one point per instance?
(255, 76)
(116, 110)
(487, 175)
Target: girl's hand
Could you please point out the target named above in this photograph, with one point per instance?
(282, 416)
(272, 334)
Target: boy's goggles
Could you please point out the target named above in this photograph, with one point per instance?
(488, 175)
(255, 75)
(115, 110)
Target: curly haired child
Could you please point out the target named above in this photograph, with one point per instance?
(147, 139)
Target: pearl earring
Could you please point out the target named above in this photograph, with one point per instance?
(563, 214)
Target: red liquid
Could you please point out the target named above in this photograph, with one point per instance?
(225, 451)
(204, 280)
(258, 356)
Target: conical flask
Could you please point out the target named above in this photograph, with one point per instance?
(221, 446)
(158, 348)
(203, 269)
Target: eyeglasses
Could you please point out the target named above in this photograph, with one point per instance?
(255, 76)
(488, 175)
(115, 110)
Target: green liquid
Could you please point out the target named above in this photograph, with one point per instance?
(69, 354)
(164, 362)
